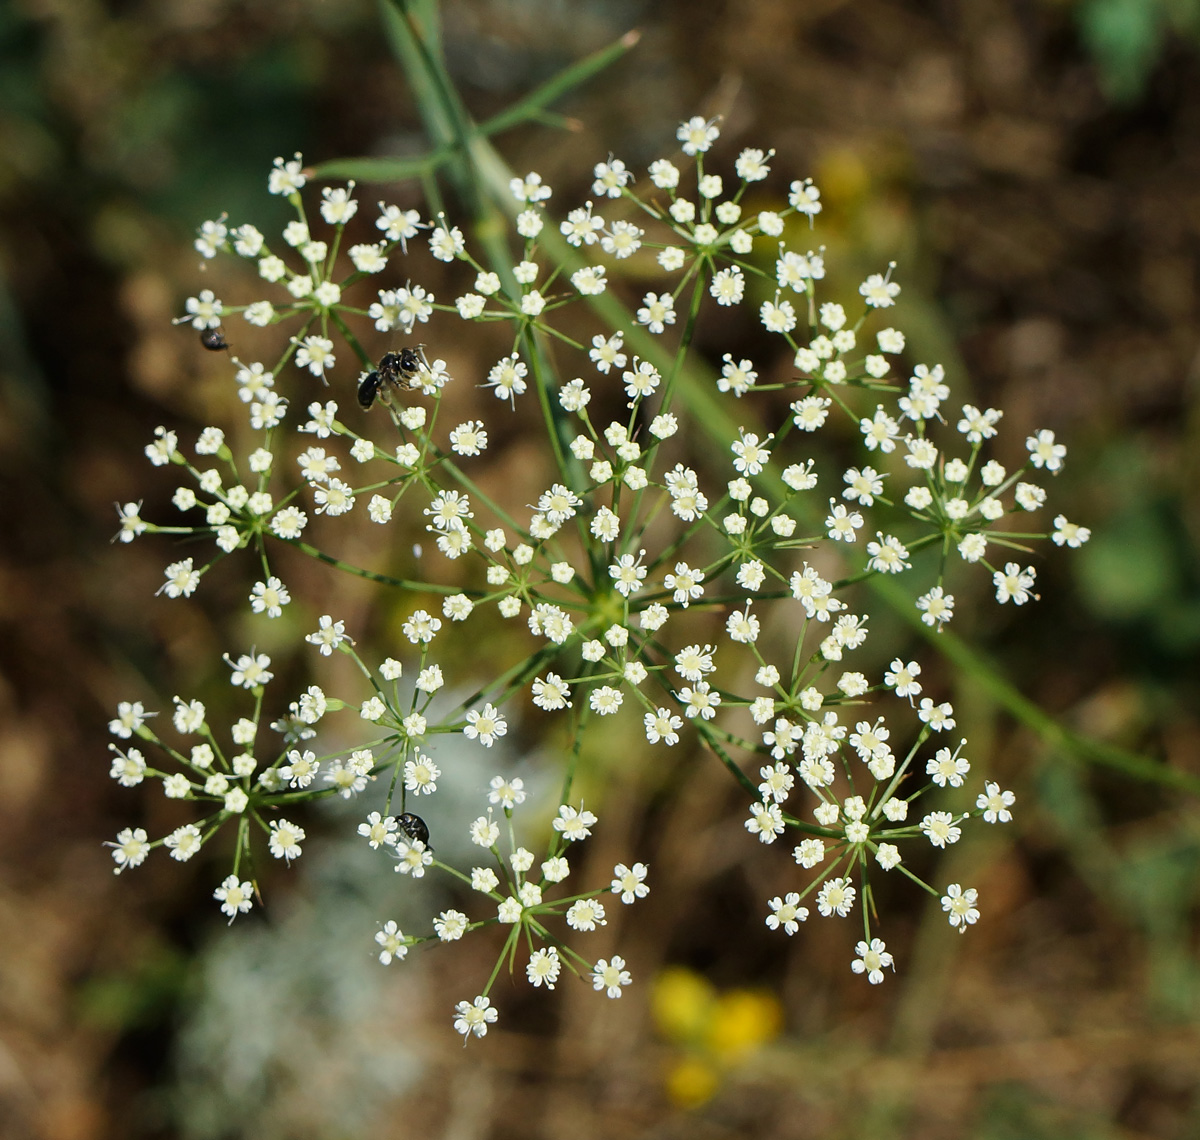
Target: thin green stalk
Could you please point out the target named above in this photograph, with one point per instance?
(374, 576)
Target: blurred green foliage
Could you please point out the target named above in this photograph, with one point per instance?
(142, 996)
(1014, 1112)
(1140, 570)
(1127, 38)
(150, 119)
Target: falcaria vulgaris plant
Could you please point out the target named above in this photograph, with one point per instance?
(717, 599)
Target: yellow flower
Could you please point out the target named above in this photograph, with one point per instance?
(682, 1003)
(691, 1081)
(740, 1022)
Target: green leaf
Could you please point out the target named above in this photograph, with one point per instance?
(382, 169)
(415, 35)
(534, 104)
(404, 24)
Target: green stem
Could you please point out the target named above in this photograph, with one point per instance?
(374, 576)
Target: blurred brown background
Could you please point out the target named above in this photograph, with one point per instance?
(1034, 166)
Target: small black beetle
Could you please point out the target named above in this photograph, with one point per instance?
(214, 339)
(413, 828)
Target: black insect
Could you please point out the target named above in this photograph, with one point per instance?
(214, 339)
(413, 828)
(368, 389)
(399, 369)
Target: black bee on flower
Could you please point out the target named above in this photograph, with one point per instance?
(396, 369)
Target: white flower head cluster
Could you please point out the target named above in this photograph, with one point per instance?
(524, 893)
(685, 583)
(230, 774)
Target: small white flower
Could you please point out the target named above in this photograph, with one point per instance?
(766, 820)
(836, 896)
(586, 915)
(269, 597)
(446, 243)
(940, 829)
(630, 882)
(960, 908)
(879, 291)
(1044, 452)
(657, 311)
(130, 849)
(235, 897)
(728, 286)
(329, 636)
(786, 913)
(872, 960)
(451, 925)
(543, 967)
(485, 726)
(392, 943)
(662, 725)
(994, 804)
(610, 177)
(574, 823)
(751, 165)
(1014, 584)
(529, 188)
(474, 1018)
(697, 135)
(611, 976)
(285, 839)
